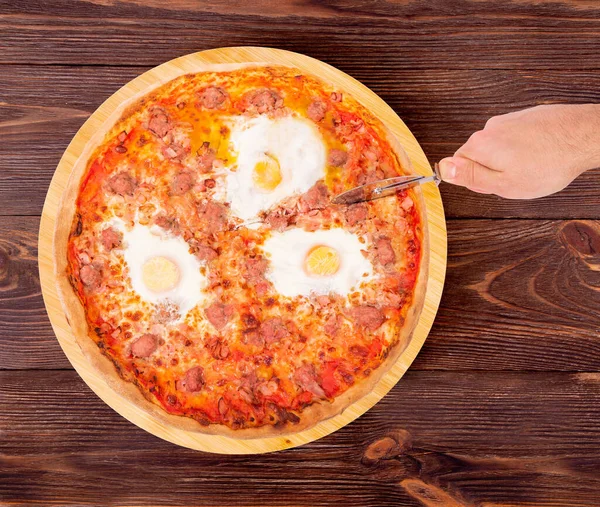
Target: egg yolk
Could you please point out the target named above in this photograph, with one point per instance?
(160, 274)
(267, 173)
(322, 261)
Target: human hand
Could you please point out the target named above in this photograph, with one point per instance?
(529, 153)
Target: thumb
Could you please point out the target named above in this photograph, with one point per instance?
(468, 173)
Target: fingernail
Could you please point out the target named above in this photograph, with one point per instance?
(448, 170)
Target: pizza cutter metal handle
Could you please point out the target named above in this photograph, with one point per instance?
(384, 188)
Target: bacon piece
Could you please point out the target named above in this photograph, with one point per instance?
(267, 388)
(145, 345)
(166, 312)
(159, 123)
(337, 157)
(175, 151)
(367, 316)
(306, 377)
(218, 349)
(182, 182)
(90, 276)
(316, 110)
(213, 97)
(122, 183)
(205, 156)
(384, 251)
(110, 238)
(247, 395)
(249, 320)
(219, 314)
(359, 350)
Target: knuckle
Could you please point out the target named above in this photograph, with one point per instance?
(468, 175)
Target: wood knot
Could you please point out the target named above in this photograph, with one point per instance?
(4, 261)
(430, 495)
(390, 446)
(582, 237)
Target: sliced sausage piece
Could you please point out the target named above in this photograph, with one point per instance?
(218, 314)
(168, 223)
(306, 377)
(90, 276)
(356, 213)
(144, 345)
(122, 183)
(279, 219)
(159, 123)
(332, 325)
(255, 270)
(367, 316)
(193, 380)
(337, 158)
(182, 182)
(214, 216)
(316, 110)
(206, 253)
(205, 156)
(385, 252)
(253, 337)
(274, 330)
(213, 97)
(110, 238)
(316, 198)
(263, 100)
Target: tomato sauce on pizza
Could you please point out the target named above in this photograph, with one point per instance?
(212, 267)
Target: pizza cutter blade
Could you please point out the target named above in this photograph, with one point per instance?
(384, 188)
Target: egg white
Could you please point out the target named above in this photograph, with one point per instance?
(287, 251)
(294, 142)
(141, 244)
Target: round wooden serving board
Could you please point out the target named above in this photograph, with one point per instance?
(105, 116)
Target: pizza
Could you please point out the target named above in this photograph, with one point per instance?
(210, 269)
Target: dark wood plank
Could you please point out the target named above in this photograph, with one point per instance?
(37, 121)
(27, 339)
(410, 35)
(519, 295)
(471, 439)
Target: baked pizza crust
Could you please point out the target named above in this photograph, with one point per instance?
(109, 371)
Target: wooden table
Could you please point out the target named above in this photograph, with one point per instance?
(502, 407)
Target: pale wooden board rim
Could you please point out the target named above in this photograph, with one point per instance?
(193, 63)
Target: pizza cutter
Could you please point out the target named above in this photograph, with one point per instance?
(384, 188)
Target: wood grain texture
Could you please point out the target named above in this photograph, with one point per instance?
(498, 311)
(497, 439)
(37, 122)
(482, 438)
(401, 33)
